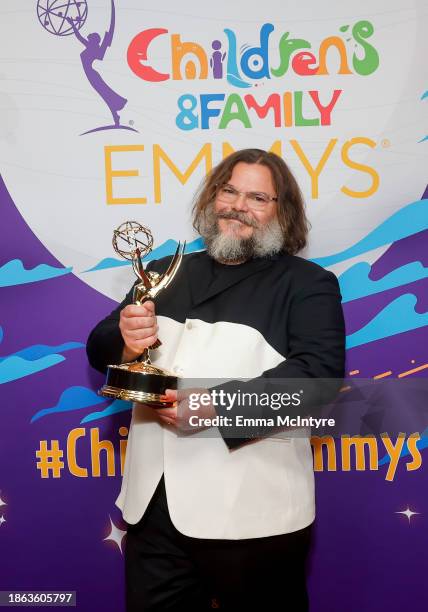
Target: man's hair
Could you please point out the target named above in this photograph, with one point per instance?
(291, 208)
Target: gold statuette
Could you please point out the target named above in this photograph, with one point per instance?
(140, 380)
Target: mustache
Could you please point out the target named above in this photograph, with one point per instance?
(238, 216)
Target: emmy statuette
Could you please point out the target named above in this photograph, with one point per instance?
(140, 380)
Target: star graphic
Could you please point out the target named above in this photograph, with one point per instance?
(116, 535)
(2, 520)
(409, 513)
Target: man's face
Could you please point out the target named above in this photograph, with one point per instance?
(247, 178)
(239, 226)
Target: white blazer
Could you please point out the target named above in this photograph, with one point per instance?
(263, 488)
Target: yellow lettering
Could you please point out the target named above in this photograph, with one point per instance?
(227, 149)
(159, 154)
(416, 462)
(123, 431)
(318, 442)
(97, 446)
(72, 438)
(314, 172)
(110, 173)
(394, 451)
(359, 444)
(361, 167)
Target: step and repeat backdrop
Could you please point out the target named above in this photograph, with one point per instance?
(114, 111)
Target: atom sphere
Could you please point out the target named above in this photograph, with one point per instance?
(129, 237)
(53, 15)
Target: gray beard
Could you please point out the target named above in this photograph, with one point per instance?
(265, 241)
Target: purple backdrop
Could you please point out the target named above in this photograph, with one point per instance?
(55, 533)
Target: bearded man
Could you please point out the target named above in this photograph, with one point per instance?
(221, 516)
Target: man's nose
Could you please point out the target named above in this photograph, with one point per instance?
(241, 202)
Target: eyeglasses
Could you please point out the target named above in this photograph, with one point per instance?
(254, 199)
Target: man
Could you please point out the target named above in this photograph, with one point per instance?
(219, 515)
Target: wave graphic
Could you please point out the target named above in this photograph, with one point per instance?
(409, 249)
(355, 282)
(167, 248)
(409, 220)
(73, 398)
(13, 368)
(37, 351)
(398, 317)
(13, 273)
(108, 262)
(114, 408)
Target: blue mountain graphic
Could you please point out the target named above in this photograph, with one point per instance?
(398, 317)
(41, 350)
(13, 368)
(409, 220)
(108, 262)
(113, 408)
(166, 248)
(73, 398)
(13, 273)
(355, 282)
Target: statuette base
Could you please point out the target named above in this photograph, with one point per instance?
(139, 382)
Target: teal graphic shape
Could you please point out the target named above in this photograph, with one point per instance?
(73, 398)
(355, 282)
(108, 262)
(13, 273)
(167, 248)
(37, 351)
(13, 368)
(398, 317)
(114, 408)
(409, 220)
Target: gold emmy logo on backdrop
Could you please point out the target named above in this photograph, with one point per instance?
(140, 380)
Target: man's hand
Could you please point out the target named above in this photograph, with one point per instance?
(179, 415)
(139, 329)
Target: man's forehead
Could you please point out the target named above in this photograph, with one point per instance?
(253, 177)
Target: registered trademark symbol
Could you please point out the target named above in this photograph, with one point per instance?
(385, 143)
(301, 390)
(131, 122)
